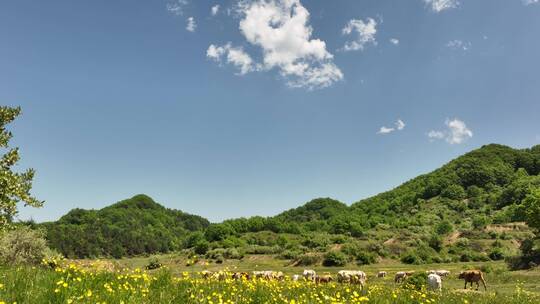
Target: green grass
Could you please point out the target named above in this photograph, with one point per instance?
(178, 283)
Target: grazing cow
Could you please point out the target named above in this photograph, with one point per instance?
(240, 275)
(323, 279)
(221, 275)
(296, 277)
(206, 274)
(400, 276)
(381, 274)
(258, 274)
(352, 276)
(442, 273)
(434, 282)
(279, 276)
(309, 274)
(473, 276)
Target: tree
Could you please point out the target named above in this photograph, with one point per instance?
(532, 206)
(14, 187)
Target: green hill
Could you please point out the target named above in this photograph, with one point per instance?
(134, 226)
(469, 209)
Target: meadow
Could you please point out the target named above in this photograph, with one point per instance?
(123, 281)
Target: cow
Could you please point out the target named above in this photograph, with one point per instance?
(352, 276)
(473, 276)
(434, 282)
(206, 274)
(221, 275)
(258, 274)
(323, 279)
(240, 275)
(309, 274)
(296, 277)
(400, 276)
(442, 273)
(381, 274)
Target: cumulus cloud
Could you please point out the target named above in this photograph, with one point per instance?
(214, 10)
(191, 24)
(459, 45)
(394, 41)
(441, 5)
(281, 30)
(233, 55)
(177, 6)
(398, 126)
(529, 2)
(456, 132)
(364, 31)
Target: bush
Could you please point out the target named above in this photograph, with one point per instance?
(308, 259)
(335, 258)
(410, 258)
(153, 264)
(417, 281)
(496, 254)
(365, 258)
(444, 227)
(289, 255)
(201, 247)
(23, 246)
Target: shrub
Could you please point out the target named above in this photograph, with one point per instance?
(201, 247)
(23, 246)
(444, 227)
(289, 255)
(308, 259)
(410, 258)
(417, 281)
(153, 263)
(335, 258)
(496, 254)
(365, 258)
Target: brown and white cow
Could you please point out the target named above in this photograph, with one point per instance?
(323, 279)
(473, 276)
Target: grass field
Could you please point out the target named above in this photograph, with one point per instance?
(123, 281)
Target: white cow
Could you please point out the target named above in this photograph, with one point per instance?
(309, 274)
(381, 274)
(352, 276)
(442, 273)
(434, 282)
(296, 277)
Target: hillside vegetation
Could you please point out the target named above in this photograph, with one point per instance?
(471, 209)
(131, 227)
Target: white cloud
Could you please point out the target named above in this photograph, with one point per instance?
(215, 10)
(529, 2)
(456, 133)
(399, 125)
(394, 41)
(436, 134)
(385, 130)
(191, 24)
(441, 5)
(177, 6)
(365, 34)
(459, 45)
(234, 55)
(281, 30)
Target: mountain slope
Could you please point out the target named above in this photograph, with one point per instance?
(134, 226)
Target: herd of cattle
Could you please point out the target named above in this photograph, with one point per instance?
(434, 277)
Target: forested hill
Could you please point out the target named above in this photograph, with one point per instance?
(134, 226)
(440, 216)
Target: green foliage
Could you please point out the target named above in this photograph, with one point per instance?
(23, 246)
(480, 221)
(130, 227)
(335, 258)
(444, 227)
(417, 281)
(153, 263)
(14, 186)
(309, 259)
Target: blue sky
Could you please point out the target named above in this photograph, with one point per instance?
(264, 105)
